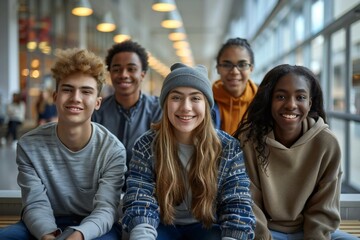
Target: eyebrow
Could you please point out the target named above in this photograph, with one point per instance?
(128, 64)
(82, 87)
(192, 93)
(240, 61)
(297, 91)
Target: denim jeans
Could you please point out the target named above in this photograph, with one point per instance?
(337, 235)
(19, 230)
(193, 231)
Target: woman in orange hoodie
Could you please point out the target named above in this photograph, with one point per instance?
(234, 91)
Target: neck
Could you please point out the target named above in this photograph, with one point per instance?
(127, 101)
(74, 138)
(287, 139)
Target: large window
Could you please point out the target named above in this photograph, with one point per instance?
(342, 6)
(317, 52)
(317, 15)
(355, 104)
(355, 59)
(338, 70)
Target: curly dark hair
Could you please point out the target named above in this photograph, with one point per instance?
(259, 121)
(128, 46)
(238, 42)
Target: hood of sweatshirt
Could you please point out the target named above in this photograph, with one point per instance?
(310, 128)
(232, 109)
(222, 96)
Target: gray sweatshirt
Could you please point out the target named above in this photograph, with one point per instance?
(56, 181)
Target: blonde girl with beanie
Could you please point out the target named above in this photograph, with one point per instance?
(186, 179)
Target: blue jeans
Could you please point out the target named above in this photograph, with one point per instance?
(20, 231)
(337, 235)
(193, 231)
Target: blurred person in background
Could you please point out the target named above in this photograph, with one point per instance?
(46, 107)
(15, 115)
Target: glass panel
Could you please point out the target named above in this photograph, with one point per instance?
(317, 15)
(337, 73)
(354, 155)
(337, 126)
(286, 36)
(342, 6)
(355, 59)
(299, 27)
(317, 55)
(299, 57)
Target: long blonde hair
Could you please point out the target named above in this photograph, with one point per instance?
(202, 176)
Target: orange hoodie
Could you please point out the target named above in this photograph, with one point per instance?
(232, 109)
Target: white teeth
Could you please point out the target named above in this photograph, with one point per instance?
(186, 118)
(75, 109)
(289, 116)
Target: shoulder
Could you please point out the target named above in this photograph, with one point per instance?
(228, 142)
(106, 103)
(39, 134)
(103, 134)
(145, 140)
(226, 138)
(322, 133)
(151, 100)
(151, 105)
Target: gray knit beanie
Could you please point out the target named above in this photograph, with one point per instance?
(182, 75)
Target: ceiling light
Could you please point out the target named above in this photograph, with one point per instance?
(181, 44)
(164, 6)
(172, 20)
(122, 34)
(82, 8)
(107, 24)
(177, 34)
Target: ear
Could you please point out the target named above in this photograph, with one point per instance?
(54, 95)
(142, 75)
(217, 69)
(98, 103)
(310, 103)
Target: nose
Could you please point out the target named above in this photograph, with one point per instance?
(186, 104)
(76, 96)
(291, 103)
(123, 73)
(235, 68)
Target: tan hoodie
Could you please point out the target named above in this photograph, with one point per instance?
(301, 189)
(232, 109)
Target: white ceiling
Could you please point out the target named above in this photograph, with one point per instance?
(205, 22)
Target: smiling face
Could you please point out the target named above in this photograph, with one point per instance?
(126, 74)
(291, 103)
(234, 80)
(76, 99)
(186, 108)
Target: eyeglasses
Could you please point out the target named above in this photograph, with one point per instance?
(242, 66)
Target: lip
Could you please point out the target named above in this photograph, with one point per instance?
(234, 80)
(123, 83)
(74, 109)
(185, 118)
(289, 116)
